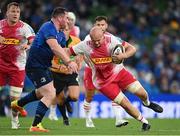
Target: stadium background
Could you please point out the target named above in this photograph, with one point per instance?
(152, 26)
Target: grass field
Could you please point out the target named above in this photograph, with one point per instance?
(103, 127)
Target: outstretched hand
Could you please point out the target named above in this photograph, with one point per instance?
(119, 57)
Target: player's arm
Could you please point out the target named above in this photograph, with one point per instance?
(29, 34)
(58, 51)
(79, 60)
(130, 50)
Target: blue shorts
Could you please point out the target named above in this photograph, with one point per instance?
(39, 77)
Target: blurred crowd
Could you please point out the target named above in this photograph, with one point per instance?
(153, 26)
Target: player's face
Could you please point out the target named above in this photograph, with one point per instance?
(97, 40)
(71, 22)
(102, 24)
(63, 21)
(13, 14)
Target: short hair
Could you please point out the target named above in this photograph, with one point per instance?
(100, 18)
(13, 4)
(58, 11)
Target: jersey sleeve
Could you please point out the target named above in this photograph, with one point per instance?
(28, 31)
(79, 48)
(114, 41)
(49, 32)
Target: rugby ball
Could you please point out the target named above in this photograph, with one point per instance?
(116, 51)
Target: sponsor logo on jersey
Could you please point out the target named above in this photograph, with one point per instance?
(11, 41)
(102, 60)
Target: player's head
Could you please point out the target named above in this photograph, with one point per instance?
(72, 19)
(60, 14)
(97, 36)
(13, 13)
(102, 22)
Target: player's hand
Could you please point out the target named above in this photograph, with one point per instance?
(73, 67)
(119, 57)
(1, 39)
(25, 47)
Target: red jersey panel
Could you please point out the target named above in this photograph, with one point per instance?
(99, 60)
(12, 57)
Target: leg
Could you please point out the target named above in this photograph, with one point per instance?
(73, 95)
(89, 93)
(62, 108)
(112, 91)
(87, 107)
(14, 113)
(139, 91)
(48, 93)
(131, 110)
(119, 121)
(15, 82)
(52, 112)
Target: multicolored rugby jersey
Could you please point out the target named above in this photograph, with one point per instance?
(99, 59)
(12, 57)
(58, 62)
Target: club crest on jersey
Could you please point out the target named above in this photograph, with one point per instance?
(102, 60)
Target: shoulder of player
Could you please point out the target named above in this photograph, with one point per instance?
(111, 35)
(47, 26)
(24, 24)
(3, 22)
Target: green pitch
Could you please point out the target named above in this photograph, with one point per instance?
(103, 127)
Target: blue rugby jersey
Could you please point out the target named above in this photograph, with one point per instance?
(40, 54)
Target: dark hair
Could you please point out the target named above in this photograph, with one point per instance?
(58, 11)
(100, 18)
(13, 4)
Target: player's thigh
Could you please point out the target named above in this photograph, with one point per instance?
(74, 91)
(16, 78)
(125, 79)
(42, 80)
(73, 86)
(16, 83)
(111, 91)
(48, 92)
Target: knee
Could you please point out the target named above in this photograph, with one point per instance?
(119, 98)
(74, 98)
